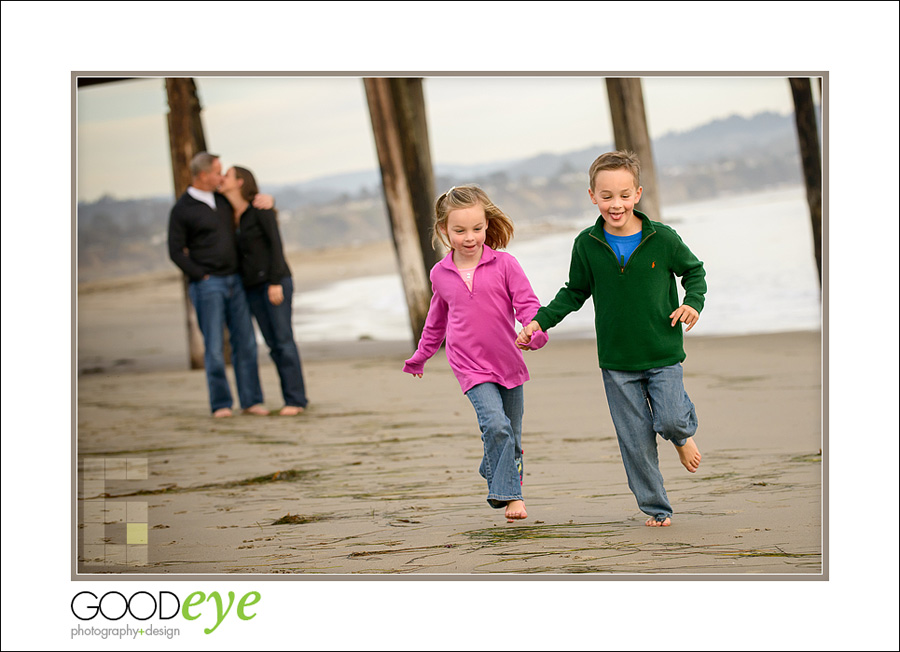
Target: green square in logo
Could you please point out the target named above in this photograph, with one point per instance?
(137, 533)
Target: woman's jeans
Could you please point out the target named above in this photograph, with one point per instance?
(499, 412)
(220, 301)
(642, 404)
(275, 325)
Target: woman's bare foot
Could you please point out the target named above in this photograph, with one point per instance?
(256, 410)
(291, 410)
(652, 522)
(222, 413)
(515, 509)
(689, 455)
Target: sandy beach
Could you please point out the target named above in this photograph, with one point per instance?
(379, 476)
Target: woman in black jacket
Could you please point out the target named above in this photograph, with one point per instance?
(267, 282)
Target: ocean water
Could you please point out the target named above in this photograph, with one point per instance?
(757, 251)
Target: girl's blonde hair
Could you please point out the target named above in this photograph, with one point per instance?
(499, 229)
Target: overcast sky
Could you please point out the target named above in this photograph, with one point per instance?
(289, 129)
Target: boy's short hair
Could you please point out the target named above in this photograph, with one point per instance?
(617, 161)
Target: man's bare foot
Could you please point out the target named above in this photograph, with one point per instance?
(222, 413)
(689, 455)
(256, 410)
(515, 509)
(652, 522)
(290, 410)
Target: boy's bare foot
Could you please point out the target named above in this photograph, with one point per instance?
(689, 455)
(515, 509)
(290, 410)
(256, 410)
(222, 413)
(652, 522)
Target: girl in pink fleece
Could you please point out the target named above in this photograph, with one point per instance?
(478, 294)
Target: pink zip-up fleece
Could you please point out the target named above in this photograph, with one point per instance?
(479, 326)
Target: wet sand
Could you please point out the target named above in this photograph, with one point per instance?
(380, 476)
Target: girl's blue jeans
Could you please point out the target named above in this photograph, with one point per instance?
(644, 404)
(499, 412)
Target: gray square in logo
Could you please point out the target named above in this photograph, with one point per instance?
(115, 533)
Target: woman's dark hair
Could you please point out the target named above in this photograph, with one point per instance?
(249, 189)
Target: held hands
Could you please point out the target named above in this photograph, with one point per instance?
(263, 202)
(686, 315)
(276, 294)
(524, 338)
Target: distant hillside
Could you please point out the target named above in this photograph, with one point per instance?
(733, 137)
(120, 237)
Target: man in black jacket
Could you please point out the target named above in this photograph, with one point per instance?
(202, 243)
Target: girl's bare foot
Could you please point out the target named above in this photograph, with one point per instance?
(222, 413)
(291, 410)
(689, 455)
(652, 522)
(515, 509)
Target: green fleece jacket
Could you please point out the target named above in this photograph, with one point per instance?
(632, 304)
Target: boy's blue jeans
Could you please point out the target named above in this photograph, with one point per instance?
(499, 412)
(220, 301)
(642, 404)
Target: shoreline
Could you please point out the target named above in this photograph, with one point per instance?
(137, 323)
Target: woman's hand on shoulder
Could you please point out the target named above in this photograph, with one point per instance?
(263, 202)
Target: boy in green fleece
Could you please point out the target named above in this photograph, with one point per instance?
(628, 264)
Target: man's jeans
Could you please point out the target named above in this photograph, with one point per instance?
(220, 301)
(642, 404)
(275, 325)
(499, 412)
